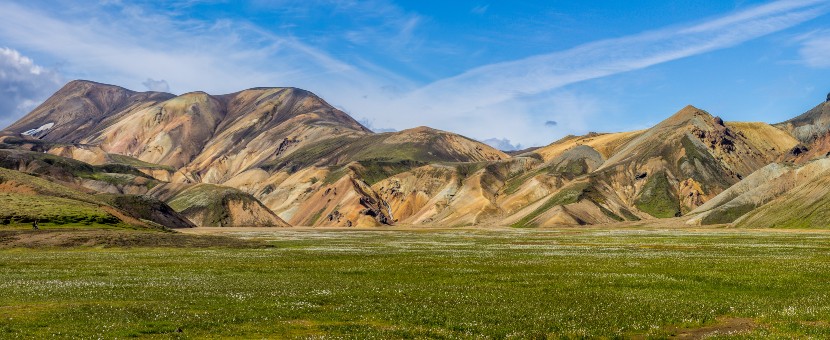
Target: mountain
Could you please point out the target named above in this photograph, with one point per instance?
(665, 171)
(273, 135)
(812, 129)
(82, 108)
(283, 156)
(789, 193)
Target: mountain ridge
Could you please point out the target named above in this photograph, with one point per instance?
(292, 156)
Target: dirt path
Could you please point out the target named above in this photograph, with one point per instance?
(725, 326)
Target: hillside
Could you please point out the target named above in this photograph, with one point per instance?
(777, 196)
(664, 171)
(25, 199)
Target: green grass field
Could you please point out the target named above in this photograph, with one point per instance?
(507, 283)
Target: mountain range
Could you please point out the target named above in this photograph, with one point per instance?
(102, 154)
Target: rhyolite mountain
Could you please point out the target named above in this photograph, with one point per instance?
(283, 156)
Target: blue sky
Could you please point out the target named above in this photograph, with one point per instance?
(529, 72)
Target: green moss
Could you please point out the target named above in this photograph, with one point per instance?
(628, 215)
(112, 178)
(134, 162)
(512, 185)
(792, 212)
(46, 164)
(376, 170)
(345, 149)
(465, 170)
(657, 197)
(45, 187)
(610, 214)
(727, 215)
(210, 199)
(335, 174)
(567, 195)
(316, 216)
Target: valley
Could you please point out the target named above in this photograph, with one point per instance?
(627, 281)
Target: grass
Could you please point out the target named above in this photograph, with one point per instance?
(517, 283)
(24, 208)
(44, 186)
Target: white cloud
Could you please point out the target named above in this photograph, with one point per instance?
(23, 85)
(502, 144)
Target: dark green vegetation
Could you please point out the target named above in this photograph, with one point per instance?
(376, 170)
(372, 149)
(39, 163)
(727, 214)
(148, 209)
(137, 163)
(515, 283)
(53, 237)
(657, 197)
(22, 208)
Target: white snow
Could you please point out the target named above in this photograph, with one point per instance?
(42, 128)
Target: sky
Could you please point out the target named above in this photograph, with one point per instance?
(517, 74)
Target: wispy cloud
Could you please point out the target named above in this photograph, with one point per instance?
(466, 97)
(129, 44)
(815, 49)
(480, 9)
(503, 81)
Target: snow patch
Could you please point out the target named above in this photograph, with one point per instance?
(42, 128)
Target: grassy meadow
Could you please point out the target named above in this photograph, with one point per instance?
(505, 283)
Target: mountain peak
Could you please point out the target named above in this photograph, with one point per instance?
(82, 84)
(686, 115)
(691, 111)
